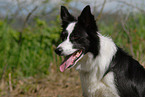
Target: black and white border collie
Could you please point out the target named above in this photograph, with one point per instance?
(105, 69)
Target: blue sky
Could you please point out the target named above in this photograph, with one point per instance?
(7, 6)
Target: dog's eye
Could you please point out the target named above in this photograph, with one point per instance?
(75, 37)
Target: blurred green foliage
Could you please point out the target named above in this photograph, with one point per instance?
(33, 52)
(135, 26)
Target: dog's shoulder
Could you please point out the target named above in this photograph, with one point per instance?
(129, 75)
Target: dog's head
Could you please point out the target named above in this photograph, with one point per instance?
(79, 36)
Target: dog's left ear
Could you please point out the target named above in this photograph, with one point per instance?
(87, 19)
(66, 16)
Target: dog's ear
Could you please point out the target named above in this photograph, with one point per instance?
(87, 19)
(64, 13)
(66, 16)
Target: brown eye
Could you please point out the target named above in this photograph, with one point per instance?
(75, 38)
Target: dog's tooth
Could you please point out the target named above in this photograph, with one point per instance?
(77, 54)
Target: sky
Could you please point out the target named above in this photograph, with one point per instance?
(111, 5)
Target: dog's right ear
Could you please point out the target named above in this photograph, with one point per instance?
(66, 16)
(87, 19)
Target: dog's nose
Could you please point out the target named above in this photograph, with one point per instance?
(58, 50)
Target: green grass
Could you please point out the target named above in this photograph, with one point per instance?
(32, 54)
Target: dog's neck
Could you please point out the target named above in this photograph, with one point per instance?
(93, 69)
(99, 64)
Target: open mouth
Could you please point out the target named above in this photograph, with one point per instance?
(71, 60)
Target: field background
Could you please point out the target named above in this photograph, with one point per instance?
(29, 34)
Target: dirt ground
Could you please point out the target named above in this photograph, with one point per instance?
(57, 84)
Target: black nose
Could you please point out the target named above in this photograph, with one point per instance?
(58, 50)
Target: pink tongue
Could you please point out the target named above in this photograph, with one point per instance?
(66, 64)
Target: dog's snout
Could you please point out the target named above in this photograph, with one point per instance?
(58, 50)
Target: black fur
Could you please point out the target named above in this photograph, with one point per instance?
(129, 75)
(66, 17)
(86, 19)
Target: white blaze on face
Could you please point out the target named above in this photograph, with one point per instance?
(67, 46)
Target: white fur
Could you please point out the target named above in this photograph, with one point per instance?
(92, 70)
(67, 46)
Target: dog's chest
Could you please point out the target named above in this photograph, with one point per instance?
(92, 81)
(92, 87)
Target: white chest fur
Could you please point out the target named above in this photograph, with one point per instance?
(92, 70)
(94, 88)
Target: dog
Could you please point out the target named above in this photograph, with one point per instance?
(105, 69)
